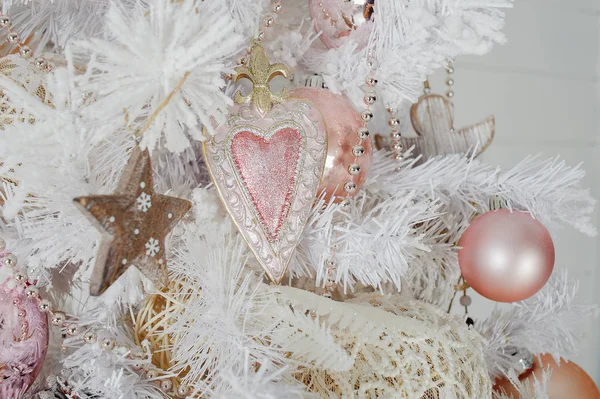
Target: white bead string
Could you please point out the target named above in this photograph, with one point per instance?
(327, 14)
(268, 21)
(358, 150)
(394, 122)
(24, 50)
(450, 79)
(395, 134)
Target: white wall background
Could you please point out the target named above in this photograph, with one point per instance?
(543, 87)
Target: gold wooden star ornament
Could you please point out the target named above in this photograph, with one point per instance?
(134, 222)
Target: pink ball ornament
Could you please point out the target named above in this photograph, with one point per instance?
(23, 341)
(506, 256)
(343, 168)
(337, 20)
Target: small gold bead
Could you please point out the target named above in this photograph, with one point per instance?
(13, 37)
(72, 329)
(58, 319)
(269, 21)
(166, 385)
(90, 337)
(44, 305)
(358, 151)
(32, 292)
(108, 344)
(363, 133)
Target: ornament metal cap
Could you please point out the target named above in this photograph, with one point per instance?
(496, 202)
(522, 357)
(315, 80)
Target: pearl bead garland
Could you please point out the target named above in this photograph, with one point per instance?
(363, 134)
(24, 50)
(73, 329)
(268, 21)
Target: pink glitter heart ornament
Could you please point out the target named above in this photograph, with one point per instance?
(267, 170)
(267, 162)
(23, 341)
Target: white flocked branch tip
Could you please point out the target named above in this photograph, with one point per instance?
(548, 322)
(55, 159)
(411, 39)
(159, 70)
(432, 204)
(224, 318)
(55, 22)
(531, 388)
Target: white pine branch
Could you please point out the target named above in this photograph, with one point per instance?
(266, 383)
(58, 21)
(544, 323)
(309, 339)
(410, 39)
(221, 321)
(165, 61)
(530, 388)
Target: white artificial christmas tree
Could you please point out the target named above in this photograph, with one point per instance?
(362, 310)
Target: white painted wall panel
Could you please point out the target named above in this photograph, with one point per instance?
(527, 106)
(546, 39)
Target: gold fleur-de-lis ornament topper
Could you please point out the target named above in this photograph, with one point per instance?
(261, 72)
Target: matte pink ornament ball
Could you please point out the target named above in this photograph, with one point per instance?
(506, 256)
(343, 122)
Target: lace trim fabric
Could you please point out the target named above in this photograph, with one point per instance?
(400, 348)
(30, 78)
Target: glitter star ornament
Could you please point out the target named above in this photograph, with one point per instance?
(134, 222)
(267, 161)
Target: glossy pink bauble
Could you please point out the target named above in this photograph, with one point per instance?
(506, 256)
(23, 342)
(342, 122)
(333, 19)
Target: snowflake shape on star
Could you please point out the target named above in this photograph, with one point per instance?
(152, 247)
(144, 202)
(152, 60)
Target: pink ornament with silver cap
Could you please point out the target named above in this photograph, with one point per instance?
(506, 256)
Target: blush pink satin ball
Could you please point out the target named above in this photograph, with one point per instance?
(23, 342)
(506, 256)
(343, 123)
